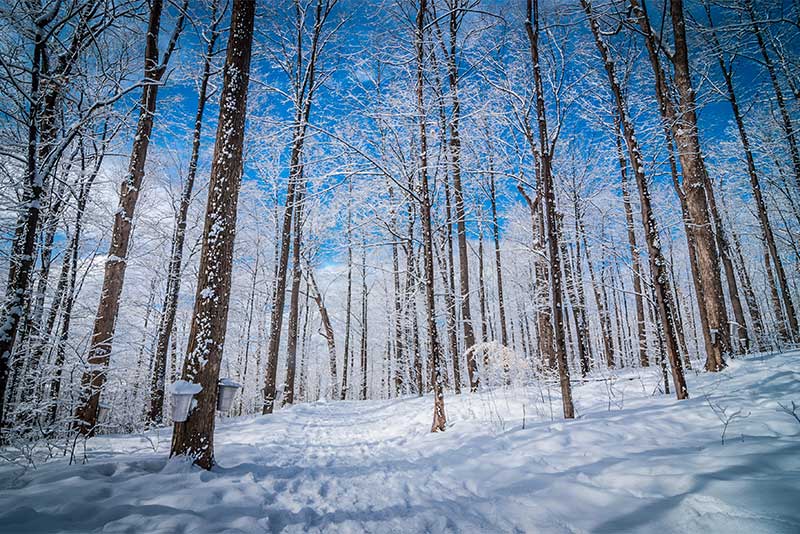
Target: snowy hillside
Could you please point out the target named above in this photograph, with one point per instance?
(632, 461)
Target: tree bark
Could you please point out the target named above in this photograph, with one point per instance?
(327, 329)
(24, 245)
(304, 86)
(549, 209)
(498, 265)
(170, 306)
(455, 18)
(641, 326)
(599, 298)
(364, 320)
(348, 313)
(195, 437)
(114, 276)
(761, 206)
(788, 126)
(683, 124)
(482, 291)
(658, 266)
(439, 418)
(294, 299)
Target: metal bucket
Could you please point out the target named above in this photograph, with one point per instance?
(102, 413)
(226, 393)
(181, 402)
(183, 393)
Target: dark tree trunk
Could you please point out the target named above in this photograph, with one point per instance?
(294, 299)
(195, 437)
(658, 265)
(498, 265)
(641, 326)
(482, 292)
(549, 209)
(348, 313)
(327, 329)
(170, 306)
(399, 345)
(114, 276)
(758, 197)
(23, 254)
(439, 420)
(364, 320)
(786, 120)
(456, 16)
(304, 85)
(697, 191)
(683, 123)
(448, 275)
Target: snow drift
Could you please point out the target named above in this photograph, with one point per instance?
(633, 461)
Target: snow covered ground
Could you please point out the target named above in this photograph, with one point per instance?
(631, 462)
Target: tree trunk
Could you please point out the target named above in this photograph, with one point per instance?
(327, 331)
(482, 293)
(114, 276)
(641, 326)
(549, 209)
(348, 313)
(304, 86)
(683, 122)
(697, 191)
(497, 260)
(195, 437)
(439, 419)
(23, 249)
(294, 299)
(658, 266)
(455, 153)
(399, 345)
(599, 298)
(788, 126)
(761, 206)
(447, 268)
(578, 309)
(364, 318)
(170, 306)
(251, 298)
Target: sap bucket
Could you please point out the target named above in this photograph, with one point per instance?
(226, 393)
(183, 393)
(102, 412)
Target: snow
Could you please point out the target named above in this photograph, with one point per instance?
(633, 461)
(182, 387)
(229, 382)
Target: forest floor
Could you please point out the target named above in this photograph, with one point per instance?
(633, 461)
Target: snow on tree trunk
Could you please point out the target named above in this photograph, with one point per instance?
(99, 353)
(658, 265)
(549, 209)
(195, 437)
(170, 306)
(439, 419)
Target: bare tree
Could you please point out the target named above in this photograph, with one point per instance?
(549, 201)
(439, 419)
(302, 69)
(658, 267)
(170, 306)
(195, 437)
(114, 276)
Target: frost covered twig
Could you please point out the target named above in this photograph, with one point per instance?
(722, 414)
(790, 411)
